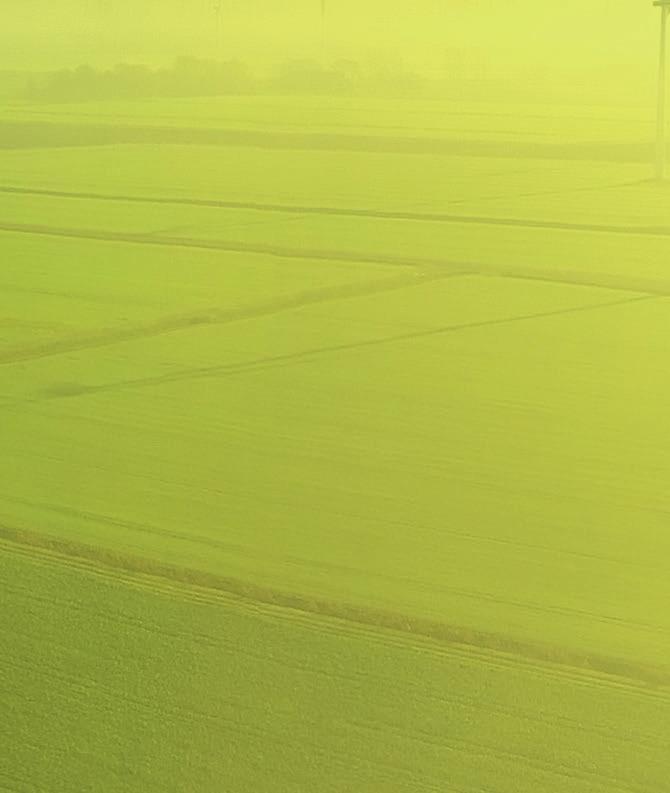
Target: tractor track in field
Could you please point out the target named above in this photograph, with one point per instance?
(217, 316)
(229, 246)
(302, 356)
(617, 282)
(353, 212)
(75, 553)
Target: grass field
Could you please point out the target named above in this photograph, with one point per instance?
(333, 467)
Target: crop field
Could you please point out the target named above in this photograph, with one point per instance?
(334, 448)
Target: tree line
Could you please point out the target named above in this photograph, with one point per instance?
(193, 77)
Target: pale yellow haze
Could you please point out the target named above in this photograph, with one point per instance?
(604, 48)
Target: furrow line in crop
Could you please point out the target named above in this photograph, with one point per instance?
(487, 750)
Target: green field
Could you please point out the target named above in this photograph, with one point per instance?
(333, 463)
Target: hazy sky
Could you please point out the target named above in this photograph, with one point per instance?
(489, 34)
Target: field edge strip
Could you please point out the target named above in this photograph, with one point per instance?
(647, 675)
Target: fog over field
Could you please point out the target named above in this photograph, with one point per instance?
(607, 46)
(334, 425)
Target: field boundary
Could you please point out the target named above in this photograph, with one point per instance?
(231, 246)
(16, 134)
(354, 212)
(311, 354)
(643, 674)
(659, 287)
(104, 337)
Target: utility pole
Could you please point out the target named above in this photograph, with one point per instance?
(218, 9)
(323, 31)
(661, 145)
